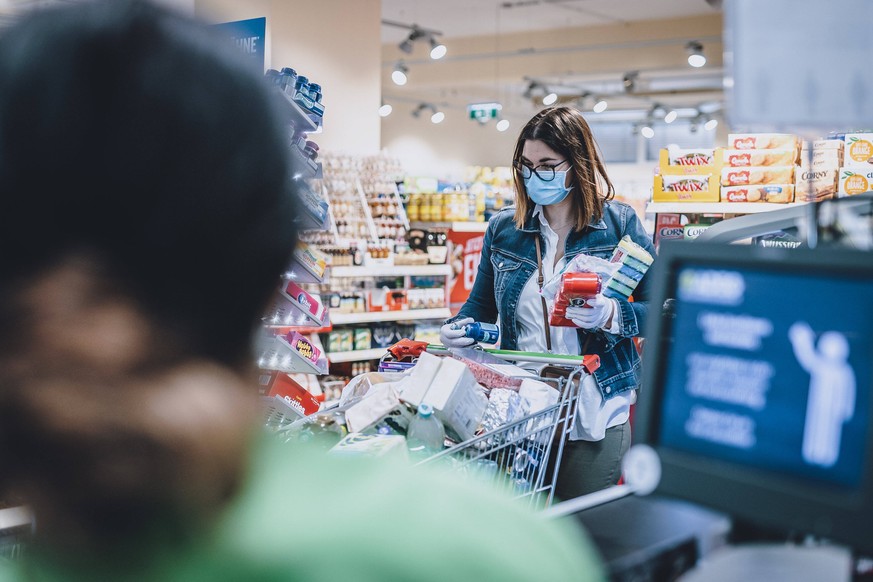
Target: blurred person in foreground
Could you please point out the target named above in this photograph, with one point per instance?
(146, 216)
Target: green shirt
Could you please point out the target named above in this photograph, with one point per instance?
(304, 516)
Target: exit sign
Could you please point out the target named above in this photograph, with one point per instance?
(484, 111)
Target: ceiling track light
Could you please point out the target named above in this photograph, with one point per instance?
(629, 81)
(550, 98)
(600, 106)
(437, 116)
(437, 49)
(385, 110)
(400, 74)
(502, 125)
(416, 33)
(671, 116)
(696, 58)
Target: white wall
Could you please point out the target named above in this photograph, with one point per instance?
(334, 43)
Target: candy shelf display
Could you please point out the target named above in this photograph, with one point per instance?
(282, 349)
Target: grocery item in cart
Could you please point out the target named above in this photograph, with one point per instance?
(360, 385)
(489, 370)
(371, 445)
(504, 406)
(426, 435)
(380, 411)
(458, 400)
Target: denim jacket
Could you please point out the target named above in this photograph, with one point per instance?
(509, 260)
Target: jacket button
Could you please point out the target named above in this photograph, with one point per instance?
(608, 390)
(500, 265)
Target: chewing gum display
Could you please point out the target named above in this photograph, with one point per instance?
(814, 185)
(776, 193)
(763, 141)
(311, 259)
(855, 181)
(753, 158)
(280, 384)
(757, 175)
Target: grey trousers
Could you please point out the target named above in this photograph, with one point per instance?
(588, 466)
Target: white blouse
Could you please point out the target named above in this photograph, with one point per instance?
(593, 414)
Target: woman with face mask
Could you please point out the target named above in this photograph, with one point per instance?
(564, 207)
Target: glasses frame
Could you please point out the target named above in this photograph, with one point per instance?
(527, 171)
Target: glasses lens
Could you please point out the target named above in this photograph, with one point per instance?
(525, 171)
(546, 173)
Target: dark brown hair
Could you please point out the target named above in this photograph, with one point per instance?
(564, 130)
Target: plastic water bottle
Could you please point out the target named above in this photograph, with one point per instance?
(426, 434)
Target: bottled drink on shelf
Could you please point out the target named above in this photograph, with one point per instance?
(426, 435)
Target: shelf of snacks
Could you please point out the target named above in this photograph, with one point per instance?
(715, 207)
(292, 353)
(455, 226)
(378, 316)
(392, 271)
(356, 355)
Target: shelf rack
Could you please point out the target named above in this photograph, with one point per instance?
(392, 271)
(380, 316)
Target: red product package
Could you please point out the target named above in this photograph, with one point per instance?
(279, 384)
(575, 290)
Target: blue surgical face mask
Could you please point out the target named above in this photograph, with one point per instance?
(547, 193)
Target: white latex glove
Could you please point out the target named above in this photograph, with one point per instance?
(452, 334)
(596, 316)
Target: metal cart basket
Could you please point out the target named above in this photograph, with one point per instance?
(524, 456)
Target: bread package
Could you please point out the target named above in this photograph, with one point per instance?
(763, 141)
(757, 175)
(747, 158)
(777, 193)
(814, 185)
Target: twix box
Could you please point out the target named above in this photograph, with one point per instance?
(763, 141)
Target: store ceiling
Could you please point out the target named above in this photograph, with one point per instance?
(459, 18)
(575, 47)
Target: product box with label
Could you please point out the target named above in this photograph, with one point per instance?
(859, 150)
(757, 158)
(692, 231)
(814, 185)
(363, 338)
(758, 175)
(855, 181)
(774, 193)
(816, 160)
(303, 346)
(668, 226)
(341, 340)
(457, 399)
(763, 141)
(686, 188)
(380, 408)
(677, 161)
(306, 302)
(824, 144)
(311, 259)
(274, 384)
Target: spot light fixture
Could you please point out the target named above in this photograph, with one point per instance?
(696, 58)
(400, 74)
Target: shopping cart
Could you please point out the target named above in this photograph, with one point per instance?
(524, 456)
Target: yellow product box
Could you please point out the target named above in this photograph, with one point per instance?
(763, 141)
(855, 181)
(775, 193)
(859, 150)
(757, 158)
(814, 185)
(821, 159)
(680, 162)
(690, 188)
(757, 175)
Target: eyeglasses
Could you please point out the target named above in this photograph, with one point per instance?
(545, 172)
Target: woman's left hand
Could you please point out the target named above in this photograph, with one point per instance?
(597, 316)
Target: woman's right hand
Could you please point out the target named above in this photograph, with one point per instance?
(452, 334)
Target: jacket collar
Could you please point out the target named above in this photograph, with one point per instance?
(532, 222)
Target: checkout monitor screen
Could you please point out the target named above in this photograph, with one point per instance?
(770, 367)
(756, 386)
